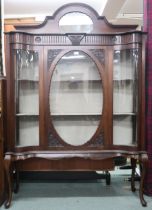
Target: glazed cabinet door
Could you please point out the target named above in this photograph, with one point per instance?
(125, 96)
(25, 92)
(76, 99)
(27, 98)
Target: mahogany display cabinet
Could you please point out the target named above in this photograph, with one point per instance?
(75, 96)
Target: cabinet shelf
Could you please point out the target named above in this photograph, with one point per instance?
(124, 114)
(92, 80)
(27, 80)
(76, 117)
(76, 81)
(27, 114)
(76, 114)
(127, 81)
(123, 80)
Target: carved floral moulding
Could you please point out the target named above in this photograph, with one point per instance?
(99, 54)
(75, 39)
(53, 141)
(51, 56)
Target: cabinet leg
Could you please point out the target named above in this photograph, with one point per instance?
(133, 166)
(16, 180)
(108, 178)
(7, 165)
(141, 188)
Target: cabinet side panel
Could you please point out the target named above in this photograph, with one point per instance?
(2, 138)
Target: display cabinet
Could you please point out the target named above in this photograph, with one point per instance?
(75, 95)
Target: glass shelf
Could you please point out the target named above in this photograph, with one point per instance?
(123, 80)
(81, 81)
(76, 117)
(27, 114)
(27, 80)
(74, 114)
(124, 113)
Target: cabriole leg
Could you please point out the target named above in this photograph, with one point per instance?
(133, 166)
(143, 163)
(7, 165)
(16, 179)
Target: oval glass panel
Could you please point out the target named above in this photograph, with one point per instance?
(76, 98)
(76, 22)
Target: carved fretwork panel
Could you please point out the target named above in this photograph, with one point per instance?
(98, 141)
(53, 141)
(51, 56)
(99, 54)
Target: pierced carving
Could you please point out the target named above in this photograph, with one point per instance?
(75, 38)
(51, 56)
(99, 54)
(54, 142)
(98, 141)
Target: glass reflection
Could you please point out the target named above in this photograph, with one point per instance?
(76, 22)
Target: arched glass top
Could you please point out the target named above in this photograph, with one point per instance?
(76, 22)
(76, 98)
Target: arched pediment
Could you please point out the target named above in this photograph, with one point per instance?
(100, 23)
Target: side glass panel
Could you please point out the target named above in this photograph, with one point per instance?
(125, 97)
(27, 97)
(76, 98)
